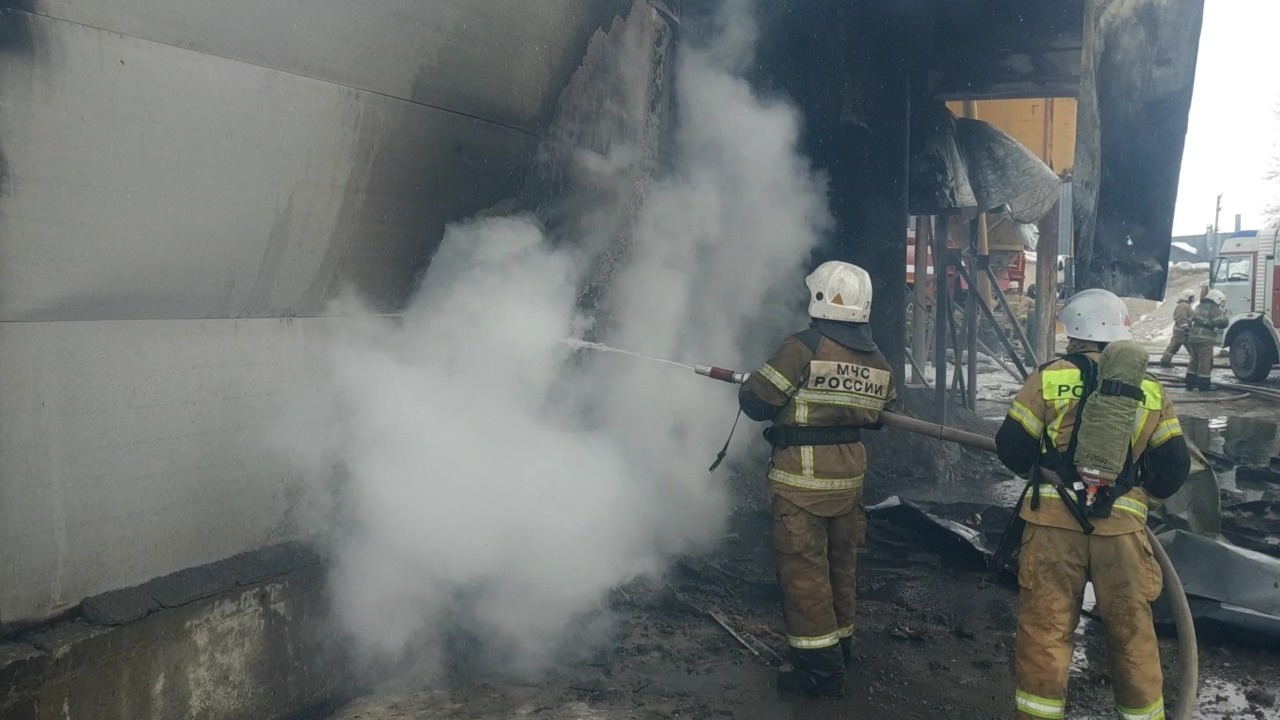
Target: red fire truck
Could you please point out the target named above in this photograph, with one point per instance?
(1245, 271)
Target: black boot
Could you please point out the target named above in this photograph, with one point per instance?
(1191, 382)
(815, 673)
(1166, 361)
(1205, 384)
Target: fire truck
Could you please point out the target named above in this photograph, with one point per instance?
(1245, 271)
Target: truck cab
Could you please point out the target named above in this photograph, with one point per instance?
(1245, 271)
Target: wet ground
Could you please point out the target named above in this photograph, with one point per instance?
(935, 633)
(934, 640)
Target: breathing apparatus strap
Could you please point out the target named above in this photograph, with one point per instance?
(724, 451)
(1120, 389)
(785, 436)
(1063, 464)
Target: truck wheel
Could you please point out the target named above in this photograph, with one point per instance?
(1252, 356)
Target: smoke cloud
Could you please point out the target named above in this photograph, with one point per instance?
(491, 474)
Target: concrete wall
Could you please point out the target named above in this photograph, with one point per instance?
(253, 651)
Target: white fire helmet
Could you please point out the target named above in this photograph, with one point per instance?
(1096, 315)
(839, 291)
(1189, 295)
(1218, 297)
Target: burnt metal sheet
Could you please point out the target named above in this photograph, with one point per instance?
(1233, 592)
(963, 164)
(144, 181)
(968, 530)
(1197, 506)
(501, 60)
(1135, 96)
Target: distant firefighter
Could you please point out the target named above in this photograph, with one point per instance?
(1181, 327)
(1207, 323)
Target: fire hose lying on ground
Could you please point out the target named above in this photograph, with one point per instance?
(1188, 653)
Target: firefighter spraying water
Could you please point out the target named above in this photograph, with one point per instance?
(1097, 477)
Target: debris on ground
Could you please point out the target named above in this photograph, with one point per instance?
(690, 645)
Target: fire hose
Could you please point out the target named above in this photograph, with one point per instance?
(1188, 652)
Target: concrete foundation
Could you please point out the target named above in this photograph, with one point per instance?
(240, 639)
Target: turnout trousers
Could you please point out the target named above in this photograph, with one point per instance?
(1053, 568)
(1201, 365)
(816, 558)
(1175, 344)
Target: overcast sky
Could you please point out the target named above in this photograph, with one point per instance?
(1233, 125)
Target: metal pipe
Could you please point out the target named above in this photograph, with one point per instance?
(957, 380)
(972, 300)
(919, 313)
(996, 359)
(918, 371)
(1004, 339)
(941, 318)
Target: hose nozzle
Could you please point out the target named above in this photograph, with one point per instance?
(722, 374)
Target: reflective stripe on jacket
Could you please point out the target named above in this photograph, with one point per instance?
(829, 386)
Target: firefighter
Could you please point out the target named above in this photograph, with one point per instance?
(820, 390)
(1019, 303)
(1207, 323)
(1059, 554)
(1181, 327)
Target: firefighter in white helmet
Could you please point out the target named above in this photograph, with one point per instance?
(1207, 323)
(1181, 327)
(822, 387)
(1071, 537)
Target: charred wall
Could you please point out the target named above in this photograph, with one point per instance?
(185, 188)
(1135, 96)
(846, 68)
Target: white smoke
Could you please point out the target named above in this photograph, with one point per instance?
(487, 463)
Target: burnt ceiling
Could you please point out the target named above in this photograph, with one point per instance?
(1005, 48)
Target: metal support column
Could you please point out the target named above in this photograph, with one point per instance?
(971, 301)
(919, 292)
(941, 318)
(1044, 339)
